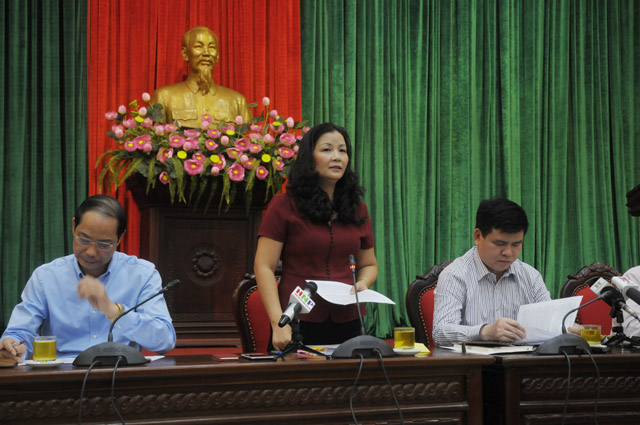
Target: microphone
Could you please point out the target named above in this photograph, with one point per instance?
(363, 345)
(300, 302)
(628, 288)
(108, 353)
(352, 266)
(567, 342)
(613, 297)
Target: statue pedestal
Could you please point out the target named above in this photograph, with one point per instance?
(209, 252)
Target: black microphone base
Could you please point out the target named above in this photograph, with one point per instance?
(107, 354)
(569, 343)
(363, 345)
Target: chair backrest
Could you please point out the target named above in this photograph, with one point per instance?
(419, 302)
(250, 315)
(579, 284)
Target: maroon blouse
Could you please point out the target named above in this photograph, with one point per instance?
(315, 251)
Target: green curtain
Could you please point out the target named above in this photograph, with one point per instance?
(452, 102)
(43, 122)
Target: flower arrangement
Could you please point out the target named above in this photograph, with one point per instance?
(192, 162)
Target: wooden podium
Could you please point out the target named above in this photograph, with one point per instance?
(208, 251)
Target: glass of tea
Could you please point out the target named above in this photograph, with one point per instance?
(44, 348)
(404, 337)
(591, 333)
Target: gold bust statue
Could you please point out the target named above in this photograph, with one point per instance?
(187, 101)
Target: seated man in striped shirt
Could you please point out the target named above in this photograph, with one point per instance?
(479, 294)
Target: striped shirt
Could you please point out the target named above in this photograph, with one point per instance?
(468, 297)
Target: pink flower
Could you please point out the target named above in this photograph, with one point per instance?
(142, 111)
(254, 135)
(249, 164)
(146, 123)
(141, 140)
(268, 139)
(118, 130)
(192, 167)
(278, 163)
(255, 148)
(241, 144)
(274, 114)
(228, 127)
(262, 172)
(236, 172)
(159, 129)
(224, 140)
(290, 122)
(298, 138)
(130, 123)
(170, 128)
(164, 154)
(265, 101)
(244, 159)
(296, 148)
(122, 109)
(111, 115)
(190, 144)
(205, 125)
(218, 161)
(147, 147)
(288, 138)
(255, 127)
(213, 133)
(176, 141)
(206, 117)
(239, 119)
(306, 128)
(146, 97)
(234, 153)
(130, 146)
(286, 152)
(198, 156)
(215, 170)
(191, 134)
(164, 177)
(210, 144)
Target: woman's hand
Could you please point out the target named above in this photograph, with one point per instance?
(281, 337)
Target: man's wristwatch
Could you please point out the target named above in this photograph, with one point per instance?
(115, 316)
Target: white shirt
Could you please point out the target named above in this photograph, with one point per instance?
(630, 325)
(468, 297)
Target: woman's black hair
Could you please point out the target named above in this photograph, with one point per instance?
(304, 188)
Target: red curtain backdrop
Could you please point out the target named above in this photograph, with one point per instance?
(134, 47)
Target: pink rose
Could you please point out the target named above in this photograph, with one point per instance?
(262, 172)
(236, 172)
(192, 167)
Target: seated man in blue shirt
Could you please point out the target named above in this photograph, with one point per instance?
(479, 294)
(77, 297)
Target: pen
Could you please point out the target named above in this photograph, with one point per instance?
(15, 344)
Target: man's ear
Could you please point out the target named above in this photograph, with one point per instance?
(73, 225)
(184, 56)
(477, 234)
(120, 238)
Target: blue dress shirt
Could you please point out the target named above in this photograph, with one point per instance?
(50, 306)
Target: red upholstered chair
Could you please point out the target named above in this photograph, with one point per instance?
(419, 302)
(578, 284)
(251, 317)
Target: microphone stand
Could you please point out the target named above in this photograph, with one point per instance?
(619, 337)
(108, 353)
(296, 341)
(362, 345)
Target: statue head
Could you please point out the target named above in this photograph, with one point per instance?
(200, 50)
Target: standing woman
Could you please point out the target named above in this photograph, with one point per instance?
(313, 228)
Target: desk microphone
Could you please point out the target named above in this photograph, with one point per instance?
(108, 353)
(300, 302)
(363, 345)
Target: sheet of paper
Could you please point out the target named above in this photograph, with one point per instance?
(340, 293)
(544, 320)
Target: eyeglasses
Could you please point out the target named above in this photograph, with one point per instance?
(103, 246)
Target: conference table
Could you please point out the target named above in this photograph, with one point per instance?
(444, 388)
(531, 389)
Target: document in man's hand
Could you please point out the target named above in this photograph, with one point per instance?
(340, 293)
(543, 321)
(492, 347)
